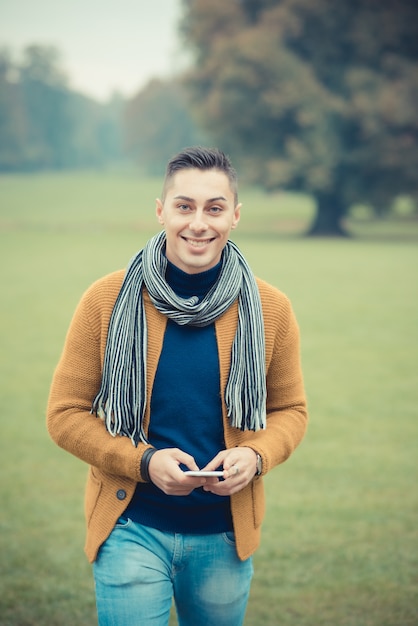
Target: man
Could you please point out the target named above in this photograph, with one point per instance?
(184, 362)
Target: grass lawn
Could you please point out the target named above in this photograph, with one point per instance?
(340, 538)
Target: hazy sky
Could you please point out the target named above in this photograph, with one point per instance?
(105, 44)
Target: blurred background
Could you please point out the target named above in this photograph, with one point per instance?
(316, 103)
(318, 97)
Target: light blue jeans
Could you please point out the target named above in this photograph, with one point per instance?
(139, 570)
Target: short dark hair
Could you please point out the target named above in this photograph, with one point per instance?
(200, 158)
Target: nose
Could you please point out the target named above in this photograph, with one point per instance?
(197, 223)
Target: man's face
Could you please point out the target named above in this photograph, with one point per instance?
(198, 214)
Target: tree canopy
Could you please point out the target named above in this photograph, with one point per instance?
(311, 95)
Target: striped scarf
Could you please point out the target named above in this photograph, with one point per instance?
(122, 397)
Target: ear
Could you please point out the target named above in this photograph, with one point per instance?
(237, 215)
(159, 211)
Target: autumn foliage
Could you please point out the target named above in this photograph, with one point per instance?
(311, 95)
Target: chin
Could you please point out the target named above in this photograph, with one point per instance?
(195, 267)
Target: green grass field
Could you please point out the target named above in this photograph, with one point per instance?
(340, 539)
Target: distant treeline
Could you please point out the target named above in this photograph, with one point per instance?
(46, 125)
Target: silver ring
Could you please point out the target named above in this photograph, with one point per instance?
(236, 471)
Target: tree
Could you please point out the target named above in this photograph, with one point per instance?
(49, 124)
(158, 124)
(45, 125)
(97, 137)
(311, 95)
(12, 118)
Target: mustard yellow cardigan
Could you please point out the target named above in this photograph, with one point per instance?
(115, 462)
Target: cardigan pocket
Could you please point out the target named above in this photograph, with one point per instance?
(93, 489)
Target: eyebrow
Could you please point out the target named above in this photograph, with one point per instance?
(180, 197)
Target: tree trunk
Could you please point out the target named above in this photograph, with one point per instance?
(328, 218)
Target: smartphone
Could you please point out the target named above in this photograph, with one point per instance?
(203, 473)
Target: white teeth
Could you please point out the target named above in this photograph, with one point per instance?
(198, 243)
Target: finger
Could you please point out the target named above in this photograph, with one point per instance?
(216, 462)
(187, 460)
(224, 488)
(232, 471)
(193, 481)
(213, 480)
(232, 460)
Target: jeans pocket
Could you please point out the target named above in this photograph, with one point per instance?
(229, 537)
(123, 522)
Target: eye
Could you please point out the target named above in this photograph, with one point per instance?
(184, 207)
(215, 209)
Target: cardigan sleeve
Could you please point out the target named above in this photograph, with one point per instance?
(286, 400)
(76, 382)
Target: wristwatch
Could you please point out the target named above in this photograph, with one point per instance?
(259, 465)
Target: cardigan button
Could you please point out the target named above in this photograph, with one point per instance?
(121, 494)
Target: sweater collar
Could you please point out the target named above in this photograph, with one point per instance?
(187, 285)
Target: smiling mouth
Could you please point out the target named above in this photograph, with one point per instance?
(197, 243)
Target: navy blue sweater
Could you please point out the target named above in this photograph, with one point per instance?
(186, 413)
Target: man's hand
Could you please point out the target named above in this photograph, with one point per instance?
(165, 473)
(240, 466)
